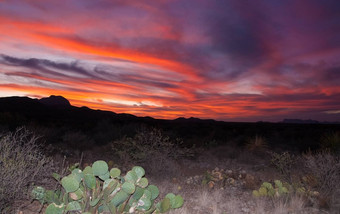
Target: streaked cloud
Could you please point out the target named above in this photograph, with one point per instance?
(230, 60)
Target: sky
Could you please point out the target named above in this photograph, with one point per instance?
(230, 60)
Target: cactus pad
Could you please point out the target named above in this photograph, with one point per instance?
(139, 171)
(88, 170)
(70, 183)
(105, 176)
(120, 198)
(55, 209)
(131, 176)
(73, 206)
(128, 187)
(90, 181)
(154, 191)
(143, 182)
(114, 172)
(100, 168)
(164, 205)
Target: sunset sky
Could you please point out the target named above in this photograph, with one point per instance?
(231, 60)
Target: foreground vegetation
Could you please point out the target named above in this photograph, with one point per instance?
(212, 178)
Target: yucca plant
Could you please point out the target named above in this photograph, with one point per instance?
(257, 143)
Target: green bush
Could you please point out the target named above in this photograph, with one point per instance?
(96, 189)
(21, 164)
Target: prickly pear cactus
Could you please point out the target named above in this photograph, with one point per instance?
(267, 189)
(96, 189)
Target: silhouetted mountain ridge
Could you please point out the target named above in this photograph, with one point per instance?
(57, 101)
(55, 109)
(58, 117)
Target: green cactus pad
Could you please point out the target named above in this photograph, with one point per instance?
(105, 176)
(147, 194)
(164, 205)
(138, 193)
(77, 195)
(108, 187)
(90, 181)
(100, 168)
(114, 172)
(143, 182)
(278, 183)
(109, 182)
(112, 208)
(55, 209)
(263, 191)
(139, 171)
(94, 202)
(70, 183)
(154, 191)
(52, 197)
(131, 176)
(119, 198)
(65, 199)
(267, 185)
(177, 202)
(103, 209)
(170, 196)
(256, 193)
(78, 174)
(73, 206)
(144, 203)
(128, 187)
(272, 192)
(88, 170)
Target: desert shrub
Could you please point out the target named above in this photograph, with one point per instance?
(149, 144)
(326, 168)
(283, 163)
(98, 189)
(21, 165)
(331, 141)
(256, 144)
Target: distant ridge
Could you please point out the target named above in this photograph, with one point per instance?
(298, 121)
